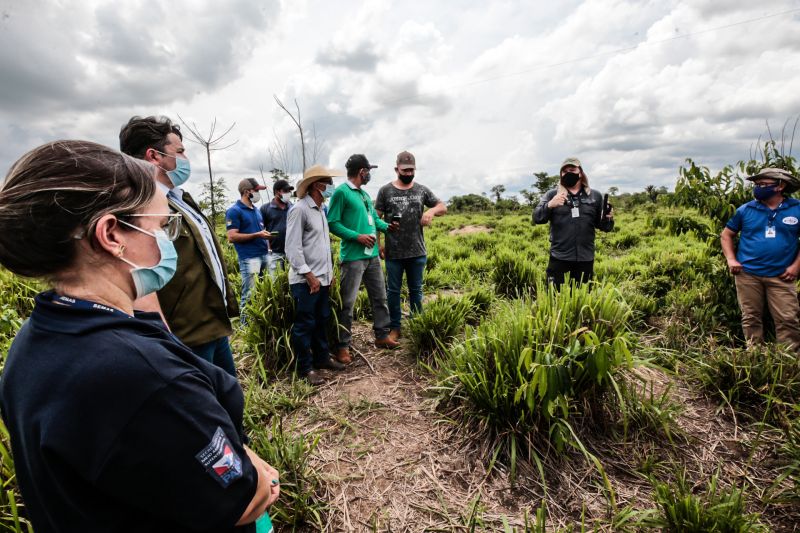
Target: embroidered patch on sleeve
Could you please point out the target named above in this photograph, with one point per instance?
(220, 460)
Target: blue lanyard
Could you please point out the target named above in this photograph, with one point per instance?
(773, 215)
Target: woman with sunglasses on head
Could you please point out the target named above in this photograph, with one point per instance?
(115, 424)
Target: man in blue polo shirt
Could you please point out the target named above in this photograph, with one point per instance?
(246, 232)
(767, 263)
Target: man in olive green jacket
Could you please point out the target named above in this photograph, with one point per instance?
(198, 301)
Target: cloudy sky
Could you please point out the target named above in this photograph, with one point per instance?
(482, 92)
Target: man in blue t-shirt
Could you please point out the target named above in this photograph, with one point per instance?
(274, 216)
(246, 232)
(766, 263)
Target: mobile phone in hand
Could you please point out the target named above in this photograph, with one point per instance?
(397, 217)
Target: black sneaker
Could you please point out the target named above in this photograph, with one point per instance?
(313, 378)
(330, 363)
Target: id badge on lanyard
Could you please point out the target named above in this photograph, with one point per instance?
(770, 234)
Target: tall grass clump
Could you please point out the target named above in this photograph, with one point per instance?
(289, 453)
(439, 323)
(443, 319)
(682, 510)
(762, 381)
(270, 314)
(531, 368)
(12, 516)
(513, 276)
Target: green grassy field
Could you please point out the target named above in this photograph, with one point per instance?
(558, 403)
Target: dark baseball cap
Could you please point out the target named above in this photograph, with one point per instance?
(405, 160)
(357, 162)
(282, 185)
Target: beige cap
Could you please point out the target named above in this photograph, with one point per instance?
(571, 161)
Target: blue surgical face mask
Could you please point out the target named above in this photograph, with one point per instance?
(182, 171)
(148, 280)
(328, 191)
(764, 192)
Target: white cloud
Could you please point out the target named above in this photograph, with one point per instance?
(483, 93)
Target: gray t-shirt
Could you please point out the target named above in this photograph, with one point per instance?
(408, 241)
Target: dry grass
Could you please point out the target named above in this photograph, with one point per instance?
(469, 230)
(390, 462)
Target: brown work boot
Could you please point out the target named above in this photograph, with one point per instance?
(343, 355)
(394, 334)
(387, 343)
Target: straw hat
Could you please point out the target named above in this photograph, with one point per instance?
(314, 174)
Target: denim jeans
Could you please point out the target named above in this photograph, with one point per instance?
(249, 268)
(309, 331)
(353, 273)
(217, 352)
(414, 268)
(275, 260)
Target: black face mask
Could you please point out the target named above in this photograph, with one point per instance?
(406, 178)
(570, 179)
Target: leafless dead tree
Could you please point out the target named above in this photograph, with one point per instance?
(210, 143)
(298, 122)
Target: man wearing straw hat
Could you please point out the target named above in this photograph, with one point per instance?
(308, 249)
(767, 262)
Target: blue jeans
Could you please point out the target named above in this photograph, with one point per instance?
(414, 268)
(249, 268)
(275, 260)
(217, 352)
(309, 331)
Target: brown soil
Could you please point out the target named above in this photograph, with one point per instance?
(390, 461)
(468, 230)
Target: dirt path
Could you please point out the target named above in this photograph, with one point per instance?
(390, 462)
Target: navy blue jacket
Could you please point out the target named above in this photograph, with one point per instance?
(118, 427)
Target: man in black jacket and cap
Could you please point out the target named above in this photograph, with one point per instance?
(574, 211)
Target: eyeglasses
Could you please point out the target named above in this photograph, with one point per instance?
(760, 183)
(172, 228)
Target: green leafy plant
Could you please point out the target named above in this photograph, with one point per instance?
(12, 510)
(513, 276)
(763, 381)
(289, 453)
(684, 510)
(524, 373)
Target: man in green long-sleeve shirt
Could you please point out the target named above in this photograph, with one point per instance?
(352, 217)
